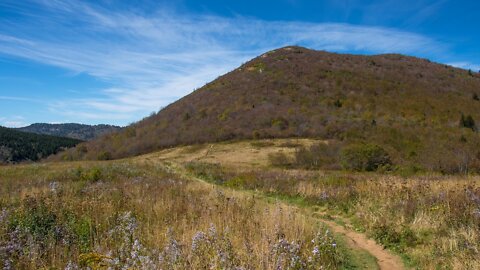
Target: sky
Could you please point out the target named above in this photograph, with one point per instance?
(115, 62)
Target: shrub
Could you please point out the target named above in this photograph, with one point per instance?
(364, 157)
(279, 159)
(130, 132)
(467, 122)
(210, 172)
(317, 156)
(92, 175)
(338, 103)
(280, 123)
(104, 155)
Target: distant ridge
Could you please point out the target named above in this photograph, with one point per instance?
(411, 106)
(71, 130)
(17, 146)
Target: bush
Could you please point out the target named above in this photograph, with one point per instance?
(279, 159)
(317, 156)
(364, 157)
(213, 173)
(467, 122)
(104, 155)
(92, 175)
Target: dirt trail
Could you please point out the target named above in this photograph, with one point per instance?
(385, 259)
(175, 157)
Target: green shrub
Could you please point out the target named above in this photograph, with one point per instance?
(391, 238)
(91, 175)
(210, 172)
(104, 155)
(364, 157)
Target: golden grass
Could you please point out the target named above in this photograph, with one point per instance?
(142, 216)
(432, 220)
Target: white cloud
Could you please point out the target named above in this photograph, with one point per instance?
(13, 122)
(466, 65)
(156, 59)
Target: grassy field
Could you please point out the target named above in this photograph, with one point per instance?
(141, 214)
(431, 220)
(224, 206)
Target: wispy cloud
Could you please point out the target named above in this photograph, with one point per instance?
(11, 98)
(13, 122)
(466, 65)
(152, 60)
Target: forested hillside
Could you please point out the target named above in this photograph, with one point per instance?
(16, 146)
(71, 130)
(423, 114)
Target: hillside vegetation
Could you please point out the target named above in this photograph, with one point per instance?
(142, 215)
(16, 146)
(71, 130)
(431, 220)
(420, 113)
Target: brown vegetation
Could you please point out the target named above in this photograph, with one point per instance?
(432, 220)
(409, 106)
(139, 215)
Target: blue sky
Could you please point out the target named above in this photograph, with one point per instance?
(115, 62)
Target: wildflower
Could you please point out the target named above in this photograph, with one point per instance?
(54, 186)
(172, 251)
(71, 266)
(197, 239)
(3, 215)
(212, 232)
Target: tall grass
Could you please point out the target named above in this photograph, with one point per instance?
(432, 220)
(124, 215)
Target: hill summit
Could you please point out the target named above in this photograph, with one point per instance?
(411, 106)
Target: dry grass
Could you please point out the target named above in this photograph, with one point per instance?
(433, 221)
(139, 215)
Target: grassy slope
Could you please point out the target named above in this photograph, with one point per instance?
(409, 105)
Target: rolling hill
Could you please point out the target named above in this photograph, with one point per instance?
(71, 130)
(16, 146)
(422, 113)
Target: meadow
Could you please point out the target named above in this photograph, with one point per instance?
(431, 220)
(232, 206)
(143, 215)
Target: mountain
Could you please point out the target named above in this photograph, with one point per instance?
(71, 130)
(422, 113)
(16, 146)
